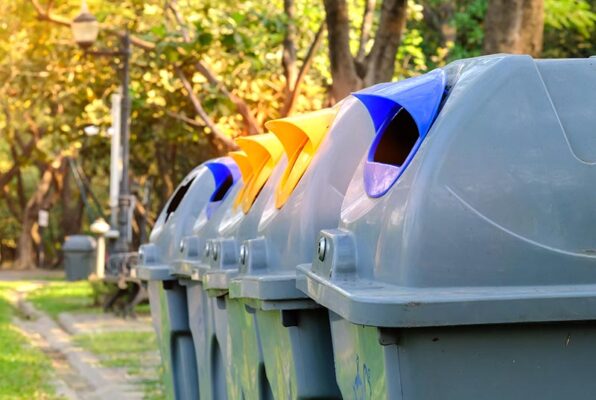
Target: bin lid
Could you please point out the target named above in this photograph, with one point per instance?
(79, 243)
(493, 220)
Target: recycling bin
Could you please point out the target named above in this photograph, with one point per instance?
(211, 354)
(463, 265)
(323, 148)
(167, 296)
(235, 331)
(79, 257)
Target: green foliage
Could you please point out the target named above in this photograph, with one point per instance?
(47, 80)
(468, 20)
(570, 28)
(570, 14)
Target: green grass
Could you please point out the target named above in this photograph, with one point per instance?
(25, 372)
(75, 297)
(59, 296)
(127, 350)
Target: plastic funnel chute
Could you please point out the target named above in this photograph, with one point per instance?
(300, 136)
(263, 151)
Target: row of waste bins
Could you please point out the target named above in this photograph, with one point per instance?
(433, 238)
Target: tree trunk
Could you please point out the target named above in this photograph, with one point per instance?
(381, 60)
(440, 18)
(288, 59)
(352, 73)
(43, 197)
(514, 26)
(72, 207)
(343, 69)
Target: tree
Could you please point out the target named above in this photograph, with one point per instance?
(366, 68)
(514, 26)
(204, 72)
(201, 74)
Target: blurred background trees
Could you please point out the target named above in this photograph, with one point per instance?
(205, 71)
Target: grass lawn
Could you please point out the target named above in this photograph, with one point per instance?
(59, 296)
(74, 297)
(129, 350)
(25, 372)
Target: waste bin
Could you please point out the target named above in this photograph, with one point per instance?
(166, 295)
(323, 148)
(243, 380)
(463, 266)
(79, 257)
(211, 354)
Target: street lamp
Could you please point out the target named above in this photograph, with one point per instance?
(85, 29)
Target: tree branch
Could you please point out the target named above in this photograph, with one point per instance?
(20, 186)
(288, 59)
(6, 177)
(10, 204)
(312, 50)
(215, 132)
(365, 28)
(185, 119)
(250, 123)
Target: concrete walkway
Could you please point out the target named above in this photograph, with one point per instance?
(79, 373)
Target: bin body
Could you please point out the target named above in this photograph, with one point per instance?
(79, 257)
(294, 332)
(510, 361)
(210, 340)
(472, 262)
(245, 371)
(167, 296)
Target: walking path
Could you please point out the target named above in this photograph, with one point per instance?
(79, 373)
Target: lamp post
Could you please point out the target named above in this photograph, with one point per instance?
(85, 29)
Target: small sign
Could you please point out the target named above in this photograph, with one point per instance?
(43, 218)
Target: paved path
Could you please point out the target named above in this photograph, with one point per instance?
(79, 374)
(76, 324)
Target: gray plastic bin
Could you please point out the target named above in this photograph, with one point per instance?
(168, 298)
(79, 257)
(465, 268)
(245, 372)
(211, 353)
(294, 331)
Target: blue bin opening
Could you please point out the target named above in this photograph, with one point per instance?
(177, 198)
(225, 174)
(396, 142)
(402, 114)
